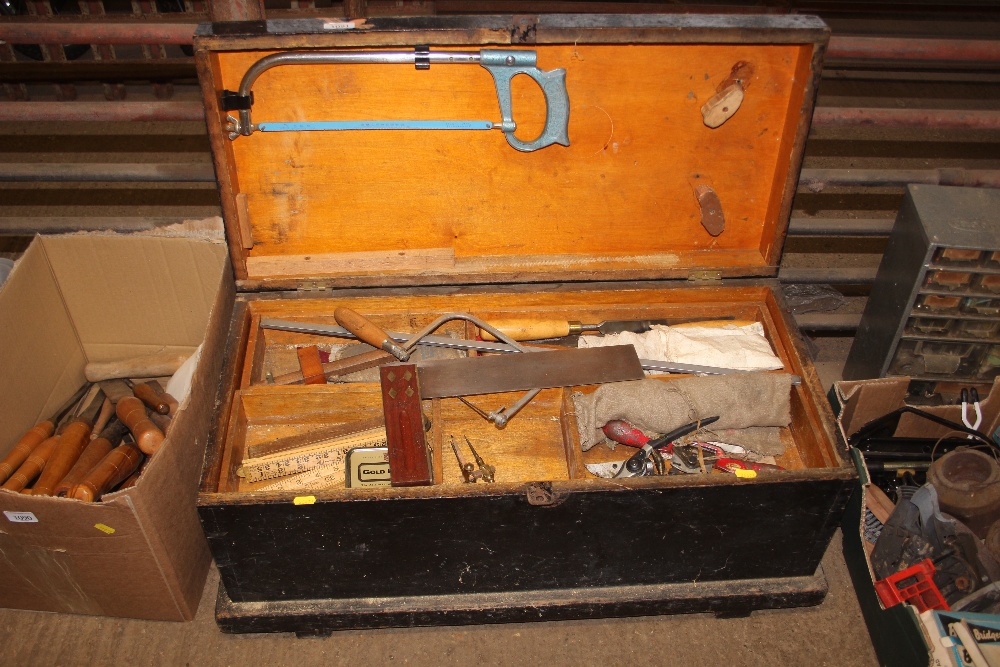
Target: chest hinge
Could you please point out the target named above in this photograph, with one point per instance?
(312, 286)
(705, 276)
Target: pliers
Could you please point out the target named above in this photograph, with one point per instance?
(966, 394)
(648, 460)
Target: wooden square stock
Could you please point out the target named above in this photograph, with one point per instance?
(409, 457)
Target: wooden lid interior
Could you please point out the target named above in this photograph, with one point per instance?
(401, 207)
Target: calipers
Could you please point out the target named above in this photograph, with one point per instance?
(502, 64)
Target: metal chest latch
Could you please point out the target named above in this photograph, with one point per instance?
(541, 494)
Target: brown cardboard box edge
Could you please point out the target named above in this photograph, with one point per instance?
(141, 553)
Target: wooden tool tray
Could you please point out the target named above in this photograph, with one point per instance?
(402, 226)
(541, 443)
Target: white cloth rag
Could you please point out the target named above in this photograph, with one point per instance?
(729, 346)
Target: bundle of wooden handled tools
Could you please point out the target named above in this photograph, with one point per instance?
(393, 449)
(100, 439)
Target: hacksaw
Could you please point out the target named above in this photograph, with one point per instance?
(502, 64)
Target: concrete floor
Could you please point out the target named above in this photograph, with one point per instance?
(832, 633)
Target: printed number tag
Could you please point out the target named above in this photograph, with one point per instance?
(21, 517)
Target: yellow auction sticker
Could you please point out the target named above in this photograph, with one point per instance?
(305, 500)
(745, 474)
(104, 528)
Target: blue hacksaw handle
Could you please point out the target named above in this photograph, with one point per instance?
(504, 65)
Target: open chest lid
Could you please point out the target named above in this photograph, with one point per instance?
(685, 138)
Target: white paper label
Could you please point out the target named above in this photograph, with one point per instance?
(21, 517)
(339, 25)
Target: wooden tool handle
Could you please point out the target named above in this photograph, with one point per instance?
(529, 329)
(163, 422)
(115, 467)
(67, 451)
(133, 414)
(311, 364)
(172, 403)
(150, 397)
(107, 409)
(132, 479)
(368, 331)
(27, 444)
(164, 396)
(152, 365)
(33, 465)
(92, 454)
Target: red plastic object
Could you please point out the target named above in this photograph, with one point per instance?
(625, 433)
(914, 585)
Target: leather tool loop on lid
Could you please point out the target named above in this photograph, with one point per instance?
(232, 101)
(712, 218)
(422, 56)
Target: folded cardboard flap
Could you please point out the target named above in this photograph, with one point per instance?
(40, 353)
(131, 295)
(867, 400)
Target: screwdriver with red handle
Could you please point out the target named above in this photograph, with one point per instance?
(622, 432)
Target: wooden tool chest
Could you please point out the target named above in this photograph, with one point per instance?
(671, 200)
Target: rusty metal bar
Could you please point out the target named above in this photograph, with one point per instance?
(840, 226)
(101, 111)
(236, 10)
(60, 30)
(116, 71)
(187, 172)
(828, 321)
(56, 31)
(914, 49)
(818, 179)
(823, 116)
(957, 119)
(828, 276)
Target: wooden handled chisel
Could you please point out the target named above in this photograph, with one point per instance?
(114, 468)
(36, 436)
(67, 450)
(132, 412)
(92, 454)
(369, 332)
(524, 328)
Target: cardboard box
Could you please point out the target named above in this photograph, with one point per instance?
(896, 632)
(73, 299)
